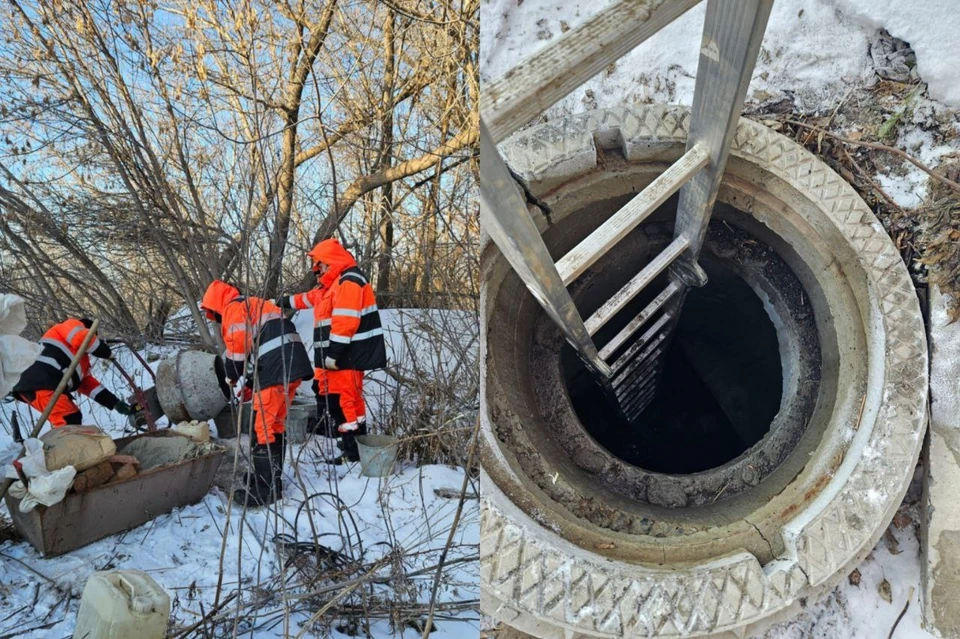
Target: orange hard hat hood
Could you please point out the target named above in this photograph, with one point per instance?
(331, 253)
(218, 295)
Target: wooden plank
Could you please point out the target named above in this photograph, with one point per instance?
(504, 215)
(638, 321)
(607, 235)
(732, 33)
(622, 297)
(530, 88)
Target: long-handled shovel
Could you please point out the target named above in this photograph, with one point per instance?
(139, 394)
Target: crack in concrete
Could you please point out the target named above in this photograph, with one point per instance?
(762, 536)
(529, 196)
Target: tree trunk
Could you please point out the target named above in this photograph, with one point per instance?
(385, 261)
(300, 72)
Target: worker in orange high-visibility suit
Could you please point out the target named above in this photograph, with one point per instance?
(60, 345)
(348, 340)
(263, 347)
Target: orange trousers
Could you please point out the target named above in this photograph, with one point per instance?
(64, 412)
(348, 386)
(271, 404)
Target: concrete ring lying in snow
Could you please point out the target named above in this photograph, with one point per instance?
(563, 553)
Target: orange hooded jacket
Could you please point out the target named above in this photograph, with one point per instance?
(60, 344)
(256, 328)
(353, 337)
(346, 322)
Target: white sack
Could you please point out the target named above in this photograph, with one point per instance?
(16, 353)
(45, 490)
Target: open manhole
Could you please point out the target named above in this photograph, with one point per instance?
(714, 397)
(722, 381)
(784, 426)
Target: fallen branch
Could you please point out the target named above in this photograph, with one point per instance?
(209, 615)
(881, 147)
(902, 613)
(873, 183)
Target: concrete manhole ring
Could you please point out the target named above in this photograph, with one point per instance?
(564, 555)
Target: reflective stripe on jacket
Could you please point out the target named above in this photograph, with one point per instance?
(256, 329)
(60, 344)
(355, 332)
(350, 329)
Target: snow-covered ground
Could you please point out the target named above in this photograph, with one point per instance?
(812, 49)
(816, 53)
(402, 521)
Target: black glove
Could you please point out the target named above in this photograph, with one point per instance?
(125, 409)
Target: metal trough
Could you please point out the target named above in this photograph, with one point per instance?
(112, 508)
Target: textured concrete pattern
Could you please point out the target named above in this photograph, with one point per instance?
(940, 532)
(536, 580)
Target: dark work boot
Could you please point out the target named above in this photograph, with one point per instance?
(264, 484)
(348, 444)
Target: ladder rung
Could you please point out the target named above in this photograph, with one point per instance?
(650, 333)
(542, 80)
(622, 297)
(607, 235)
(620, 378)
(648, 360)
(641, 404)
(647, 371)
(638, 321)
(639, 386)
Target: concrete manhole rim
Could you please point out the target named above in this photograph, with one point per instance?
(534, 579)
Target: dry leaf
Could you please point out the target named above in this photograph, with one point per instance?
(886, 593)
(902, 520)
(892, 544)
(854, 577)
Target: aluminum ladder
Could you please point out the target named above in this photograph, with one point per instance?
(732, 32)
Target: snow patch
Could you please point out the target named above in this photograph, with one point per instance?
(931, 28)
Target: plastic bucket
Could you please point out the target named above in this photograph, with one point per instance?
(378, 454)
(226, 421)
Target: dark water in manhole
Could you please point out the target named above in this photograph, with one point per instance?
(719, 391)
